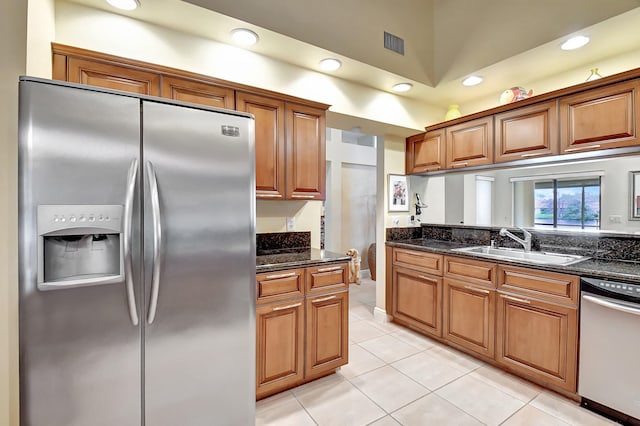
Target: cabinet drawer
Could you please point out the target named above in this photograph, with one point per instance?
(323, 279)
(470, 271)
(427, 262)
(551, 286)
(280, 285)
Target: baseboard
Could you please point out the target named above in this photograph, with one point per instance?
(380, 314)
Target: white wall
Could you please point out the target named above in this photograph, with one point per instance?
(358, 209)
(273, 216)
(606, 67)
(13, 45)
(350, 207)
(431, 191)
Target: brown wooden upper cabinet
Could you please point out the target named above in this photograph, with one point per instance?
(527, 132)
(270, 159)
(305, 152)
(601, 118)
(425, 152)
(108, 76)
(290, 132)
(470, 143)
(182, 89)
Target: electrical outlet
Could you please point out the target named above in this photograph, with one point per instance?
(291, 223)
(615, 218)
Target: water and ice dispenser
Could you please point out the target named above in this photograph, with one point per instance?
(79, 245)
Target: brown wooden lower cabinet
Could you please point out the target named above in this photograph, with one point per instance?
(304, 336)
(279, 346)
(417, 300)
(538, 339)
(469, 316)
(528, 324)
(327, 333)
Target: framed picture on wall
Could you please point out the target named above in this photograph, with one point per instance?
(398, 193)
(634, 185)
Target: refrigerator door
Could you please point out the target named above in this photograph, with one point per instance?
(199, 248)
(80, 354)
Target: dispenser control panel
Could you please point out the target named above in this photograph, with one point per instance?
(53, 218)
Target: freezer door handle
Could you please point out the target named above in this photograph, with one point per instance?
(157, 241)
(128, 219)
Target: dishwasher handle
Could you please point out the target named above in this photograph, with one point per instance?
(611, 305)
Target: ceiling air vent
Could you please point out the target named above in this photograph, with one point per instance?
(394, 43)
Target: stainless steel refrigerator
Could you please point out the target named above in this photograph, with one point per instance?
(137, 260)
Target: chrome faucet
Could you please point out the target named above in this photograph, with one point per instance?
(526, 243)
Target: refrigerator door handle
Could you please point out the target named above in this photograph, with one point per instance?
(128, 219)
(157, 241)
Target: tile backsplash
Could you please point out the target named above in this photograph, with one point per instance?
(282, 240)
(602, 245)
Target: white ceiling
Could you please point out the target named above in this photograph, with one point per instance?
(509, 42)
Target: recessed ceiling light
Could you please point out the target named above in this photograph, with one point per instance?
(330, 64)
(472, 80)
(402, 87)
(574, 43)
(124, 4)
(244, 37)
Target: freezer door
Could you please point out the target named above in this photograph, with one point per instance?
(199, 267)
(80, 353)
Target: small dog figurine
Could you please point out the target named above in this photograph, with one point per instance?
(354, 266)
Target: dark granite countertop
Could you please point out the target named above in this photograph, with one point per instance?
(278, 259)
(602, 268)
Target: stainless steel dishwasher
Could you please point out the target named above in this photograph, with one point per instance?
(609, 378)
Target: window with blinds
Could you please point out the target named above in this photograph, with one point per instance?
(568, 203)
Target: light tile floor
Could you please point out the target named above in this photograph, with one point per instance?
(398, 377)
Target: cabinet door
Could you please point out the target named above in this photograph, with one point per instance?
(196, 92)
(305, 152)
(602, 118)
(279, 346)
(527, 132)
(269, 121)
(112, 77)
(327, 333)
(469, 316)
(425, 152)
(417, 300)
(470, 143)
(538, 339)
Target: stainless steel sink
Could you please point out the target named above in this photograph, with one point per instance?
(538, 257)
